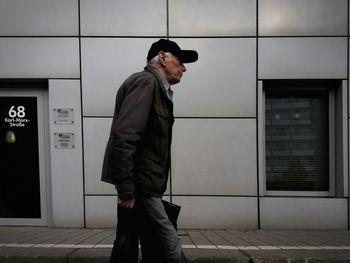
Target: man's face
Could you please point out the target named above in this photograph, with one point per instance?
(173, 69)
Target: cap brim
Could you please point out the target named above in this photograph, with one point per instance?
(188, 56)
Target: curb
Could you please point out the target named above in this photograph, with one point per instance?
(85, 255)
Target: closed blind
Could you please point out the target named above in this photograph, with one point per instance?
(297, 140)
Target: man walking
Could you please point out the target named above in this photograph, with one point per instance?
(137, 157)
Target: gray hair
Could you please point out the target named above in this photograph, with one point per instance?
(155, 59)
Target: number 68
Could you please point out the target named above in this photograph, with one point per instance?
(19, 113)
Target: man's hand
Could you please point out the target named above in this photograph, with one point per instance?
(126, 203)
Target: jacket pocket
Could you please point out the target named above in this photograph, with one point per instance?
(162, 121)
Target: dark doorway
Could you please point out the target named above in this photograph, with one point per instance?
(19, 158)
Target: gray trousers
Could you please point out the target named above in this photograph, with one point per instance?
(149, 222)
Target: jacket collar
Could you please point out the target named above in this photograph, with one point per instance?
(153, 71)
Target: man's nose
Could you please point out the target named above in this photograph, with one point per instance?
(183, 67)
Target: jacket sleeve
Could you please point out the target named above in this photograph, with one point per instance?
(128, 129)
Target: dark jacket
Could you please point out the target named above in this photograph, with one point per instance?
(137, 156)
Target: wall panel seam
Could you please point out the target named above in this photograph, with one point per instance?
(82, 117)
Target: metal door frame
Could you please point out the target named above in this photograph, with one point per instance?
(43, 144)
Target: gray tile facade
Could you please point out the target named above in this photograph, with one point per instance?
(217, 170)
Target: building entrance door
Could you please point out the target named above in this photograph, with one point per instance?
(22, 158)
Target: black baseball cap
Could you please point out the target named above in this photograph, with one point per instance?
(185, 56)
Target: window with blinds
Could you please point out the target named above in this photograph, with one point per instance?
(297, 139)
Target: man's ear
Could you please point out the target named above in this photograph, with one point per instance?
(161, 58)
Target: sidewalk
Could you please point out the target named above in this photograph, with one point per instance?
(42, 244)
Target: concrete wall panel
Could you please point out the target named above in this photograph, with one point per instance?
(303, 213)
(221, 83)
(217, 212)
(212, 18)
(123, 18)
(66, 164)
(299, 17)
(39, 58)
(302, 58)
(214, 157)
(39, 18)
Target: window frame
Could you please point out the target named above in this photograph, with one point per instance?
(332, 112)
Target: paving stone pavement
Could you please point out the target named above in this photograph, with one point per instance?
(43, 244)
